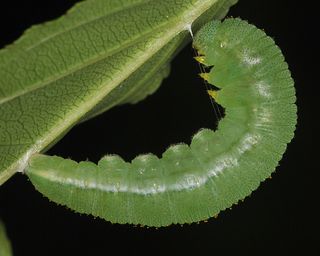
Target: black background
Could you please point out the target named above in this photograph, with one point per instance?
(278, 218)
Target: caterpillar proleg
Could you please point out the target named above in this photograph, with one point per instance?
(196, 182)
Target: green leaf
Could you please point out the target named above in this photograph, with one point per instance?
(5, 247)
(101, 54)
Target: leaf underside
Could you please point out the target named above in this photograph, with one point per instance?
(101, 54)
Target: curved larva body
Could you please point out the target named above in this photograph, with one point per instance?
(192, 183)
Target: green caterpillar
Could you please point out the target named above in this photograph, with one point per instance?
(193, 183)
